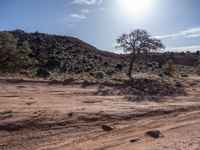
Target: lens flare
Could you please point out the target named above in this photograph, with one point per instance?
(135, 8)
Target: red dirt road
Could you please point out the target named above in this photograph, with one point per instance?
(39, 115)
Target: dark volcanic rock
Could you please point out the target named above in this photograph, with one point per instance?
(134, 140)
(67, 54)
(106, 128)
(153, 133)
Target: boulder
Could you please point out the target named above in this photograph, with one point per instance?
(153, 133)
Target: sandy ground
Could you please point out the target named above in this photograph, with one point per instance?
(40, 115)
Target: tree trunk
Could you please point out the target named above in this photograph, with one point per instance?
(131, 66)
(145, 57)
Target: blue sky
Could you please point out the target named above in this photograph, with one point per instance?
(100, 22)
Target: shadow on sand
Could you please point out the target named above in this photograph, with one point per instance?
(138, 90)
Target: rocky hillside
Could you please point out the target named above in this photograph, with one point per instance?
(185, 59)
(64, 54)
(68, 54)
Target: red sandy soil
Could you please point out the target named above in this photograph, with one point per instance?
(40, 115)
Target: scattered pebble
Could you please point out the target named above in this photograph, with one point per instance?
(106, 128)
(134, 140)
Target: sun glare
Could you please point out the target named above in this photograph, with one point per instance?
(135, 8)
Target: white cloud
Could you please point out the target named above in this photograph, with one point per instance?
(193, 35)
(81, 15)
(166, 36)
(78, 16)
(87, 2)
(118, 51)
(188, 33)
(192, 48)
(85, 11)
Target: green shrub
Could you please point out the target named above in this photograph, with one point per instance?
(8, 49)
(198, 70)
(119, 67)
(110, 72)
(22, 56)
(169, 68)
(41, 72)
(100, 74)
(13, 57)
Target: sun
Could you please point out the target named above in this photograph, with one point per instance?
(135, 8)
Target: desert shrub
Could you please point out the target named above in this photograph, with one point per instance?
(22, 57)
(53, 62)
(7, 49)
(13, 57)
(178, 84)
(198, 70)
(198, 60)
(105, 64)
(41, 72)
(149, 65)
(99, 74)
(110, 72)
(169, 68)
(184, 75)
(119, 67)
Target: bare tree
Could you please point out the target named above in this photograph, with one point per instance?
(138, 43)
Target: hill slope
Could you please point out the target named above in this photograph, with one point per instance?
(68, 54)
